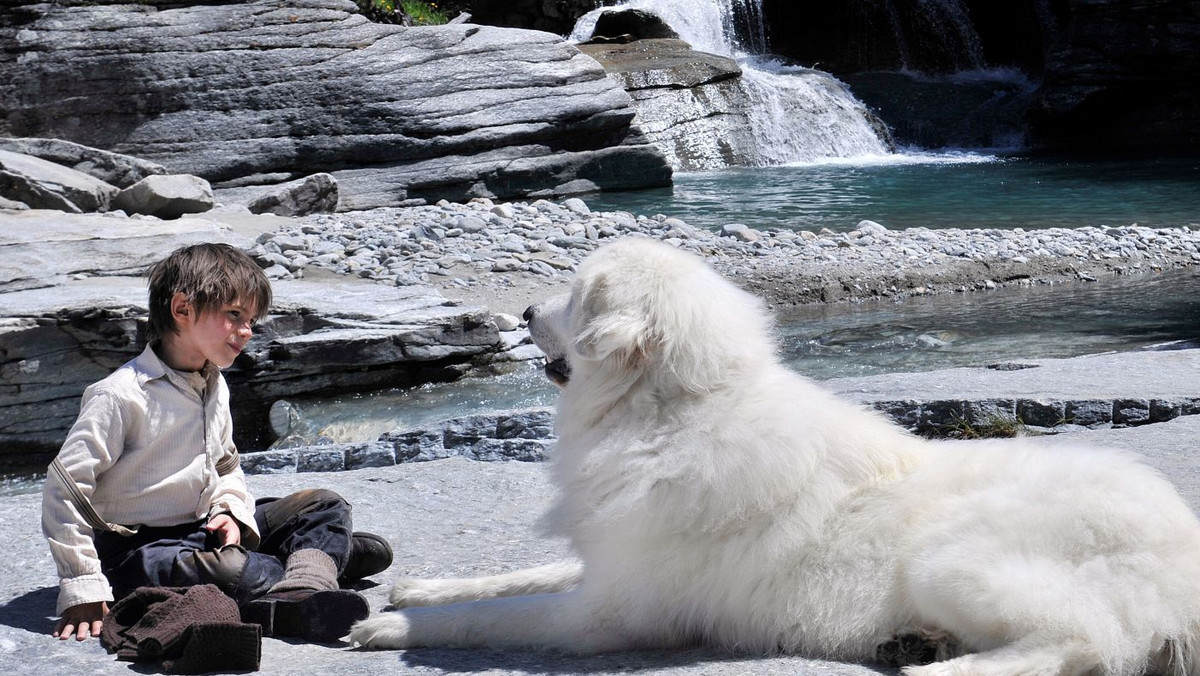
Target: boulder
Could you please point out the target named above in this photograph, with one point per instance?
(45, 185)
(115, 169)
(166, 197)
(630, 24)
(705, 112)
(297, 87)
(314, 194)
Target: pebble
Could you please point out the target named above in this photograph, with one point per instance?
(543, 239)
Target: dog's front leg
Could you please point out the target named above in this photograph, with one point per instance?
(564, 621)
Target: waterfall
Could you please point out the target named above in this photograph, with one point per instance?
(708, 25)
(774, 114)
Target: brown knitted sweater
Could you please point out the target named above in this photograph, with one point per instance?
(191, 630)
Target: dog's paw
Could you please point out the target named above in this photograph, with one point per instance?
(381, 632)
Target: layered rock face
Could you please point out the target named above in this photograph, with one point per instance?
(280, 89)
(73, 307)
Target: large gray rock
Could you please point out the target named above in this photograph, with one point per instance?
(168, 196)
(42, 249)
(115, 169)
(46, 185)
(73, 305)
(222, 91)
(705, 112)
(320, 337)
(314, 194)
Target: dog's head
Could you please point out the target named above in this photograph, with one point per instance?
(639, 307)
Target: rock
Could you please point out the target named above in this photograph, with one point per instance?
(115, 169)
(705, 113)
(740, 232)
(226, 90)
(630, 24)
(42, 184)
(319, 337)
(871, 228)
(506, 322)
(313, 194)
(577, 206)
(166, 196)
(523, 435)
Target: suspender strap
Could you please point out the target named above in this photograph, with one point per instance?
(85, 506)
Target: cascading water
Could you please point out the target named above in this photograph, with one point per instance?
(773, 114)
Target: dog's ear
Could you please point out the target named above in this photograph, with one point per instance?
(602, 329)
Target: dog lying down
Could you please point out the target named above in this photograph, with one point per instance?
(715, 498)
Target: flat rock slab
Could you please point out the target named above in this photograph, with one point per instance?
(447, 518)
(38, 247)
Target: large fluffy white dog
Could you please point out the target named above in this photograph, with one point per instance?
(714, 497)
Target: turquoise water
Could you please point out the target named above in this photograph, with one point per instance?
(1145, 311)
(955, 190)
(1151, 311)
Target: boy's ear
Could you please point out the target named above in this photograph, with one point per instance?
(181, 307)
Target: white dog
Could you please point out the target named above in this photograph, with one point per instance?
(714, 497)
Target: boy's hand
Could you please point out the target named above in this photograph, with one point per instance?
(226, 528)
(82, 621)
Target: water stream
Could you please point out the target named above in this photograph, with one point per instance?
(773, 114)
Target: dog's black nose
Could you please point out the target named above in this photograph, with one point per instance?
(528, 313)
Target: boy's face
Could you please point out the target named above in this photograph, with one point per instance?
(217, 336)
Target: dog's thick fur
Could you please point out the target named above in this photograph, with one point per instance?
(714, 497)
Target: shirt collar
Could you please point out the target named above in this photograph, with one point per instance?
(149, 367)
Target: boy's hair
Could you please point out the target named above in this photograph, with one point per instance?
(209, 275)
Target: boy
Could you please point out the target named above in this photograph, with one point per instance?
(147, 490)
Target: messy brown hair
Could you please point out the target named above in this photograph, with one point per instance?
(209, 275)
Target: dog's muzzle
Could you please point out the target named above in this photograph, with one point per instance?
(558, 371)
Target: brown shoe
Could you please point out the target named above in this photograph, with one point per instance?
(369, 554)
(317, 616)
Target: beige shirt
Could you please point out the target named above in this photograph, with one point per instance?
(144, 450)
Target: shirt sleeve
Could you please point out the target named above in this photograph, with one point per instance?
(231, 495)
(92, 446)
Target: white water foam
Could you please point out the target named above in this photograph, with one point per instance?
(794, 114)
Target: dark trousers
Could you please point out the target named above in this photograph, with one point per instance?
(186, 555)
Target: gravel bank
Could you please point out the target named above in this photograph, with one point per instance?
(504, 255)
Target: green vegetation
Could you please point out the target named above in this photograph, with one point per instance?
(393, 11)
(994, 427)
(423, 13)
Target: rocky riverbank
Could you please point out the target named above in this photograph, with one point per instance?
(399, 296)
(504, 255)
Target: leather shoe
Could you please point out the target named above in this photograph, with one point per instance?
(318, 616)
(369, 554)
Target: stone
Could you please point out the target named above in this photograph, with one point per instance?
(394, 113)
(506, 322)
(166, 197)
(315, 194)
(630, 24)
(741, 232)
(42, 184)
(115, 169)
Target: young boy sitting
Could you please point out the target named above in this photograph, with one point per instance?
(147, 489)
